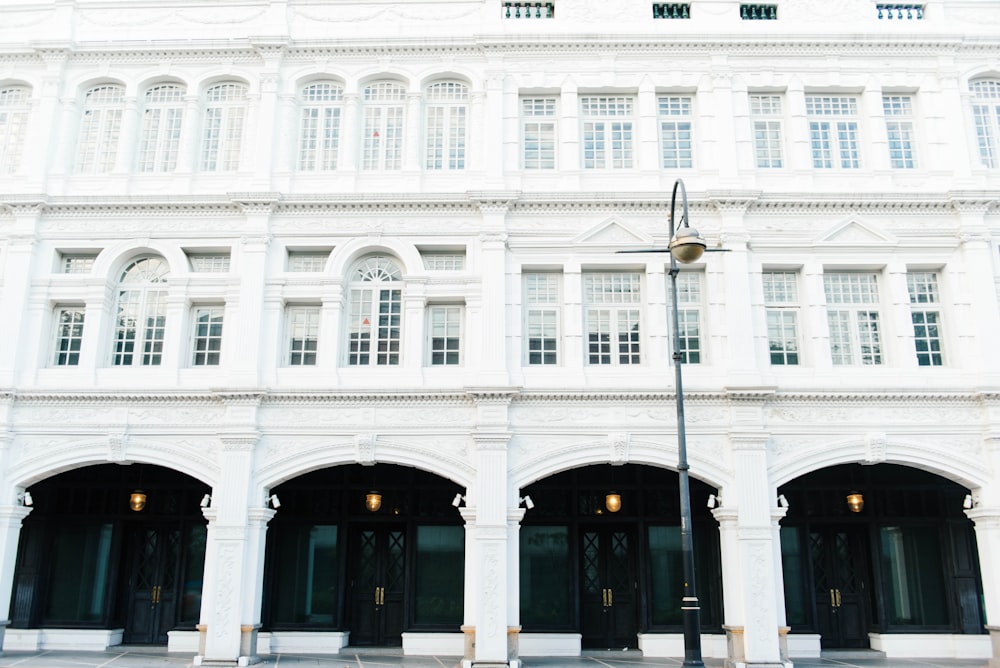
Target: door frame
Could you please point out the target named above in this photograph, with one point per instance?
(634, 607)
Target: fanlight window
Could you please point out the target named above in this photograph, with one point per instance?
(375, 323)
(141, 314)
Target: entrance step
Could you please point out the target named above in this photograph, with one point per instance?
(626, 652)
(837, 654)
(372, 651)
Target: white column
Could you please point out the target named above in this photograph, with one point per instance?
(568, 129)
(350, 133)
(128, 137)
(648, 150)
(814, 307)
(978, 291)
(17, 269)
(797, 131)
(187, 152)
(492, 260)
(986, 516)
(253, 581)
(874, 118)
(412, 133)
(242, 334)
(514, 518)
(11, 518)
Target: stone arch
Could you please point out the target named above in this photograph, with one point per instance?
(344, 257)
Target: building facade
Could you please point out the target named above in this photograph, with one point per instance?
(326, 324)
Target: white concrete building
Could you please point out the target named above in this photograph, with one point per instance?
(261, 258)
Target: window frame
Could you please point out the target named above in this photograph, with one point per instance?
(224, 116)
(784, 304)
(69, 335)
(767, 125)
(321, 110)
(925, 302)
(101, 117)
(311, 327)
(985, 103)
(690, 312)
(452, 353)
(673, 113)
(207, 337)
(835, 139)
(445, 144)
(607, 132)
(856, 318)
(146, 291)
(621, 305)
(545, 147)
(900, 129)
(160, 132)
(383, 112)
(374, 291)
(15, 113)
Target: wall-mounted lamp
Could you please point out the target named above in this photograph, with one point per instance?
(274, 501)
(713, 501)
(137, 501)
(526, 500)
(855, 502)
(613, 502)
(206, 501)
(782, 501)
(373, 501)
(457, 501)
(968, 502)
(25, 499)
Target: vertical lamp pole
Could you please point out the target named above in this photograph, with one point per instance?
(686, 245)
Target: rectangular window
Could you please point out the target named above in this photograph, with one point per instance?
(689, 305)
(765, 114)
(541, 318)
(611, 303)
(69, 336)
(899, 128)
(439, 576)
(376, 316)
(781, 302)
(548, 587)
(76, 263)
(853, 314)
(210, 263)
(607, 131)
(445, 323)
(319, 134)
(382, 142)
(207, 345)
(675, 131)
(303, 334)
(538, 132)
(307, 261)
(833, 131)
(447, 117)
(140, 328)
(926, 316)
(986, 114)
(443, 261)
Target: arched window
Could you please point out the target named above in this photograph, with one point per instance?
(162, 116)
(141, 313)
(447, 111)
(986, 112)
(382, 144)
(100, 128)
(225, 112)
(375, 321)
(14, 110)
(319, 135)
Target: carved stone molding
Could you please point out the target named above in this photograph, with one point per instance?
(618, 445)
(364, 445)
(875, 448)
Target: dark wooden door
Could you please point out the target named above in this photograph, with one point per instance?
(839, 558)
(378, 585)
(608, 588)
(153, 554)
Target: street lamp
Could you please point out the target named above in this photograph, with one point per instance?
(686, 246)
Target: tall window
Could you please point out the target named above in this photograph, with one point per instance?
(447, 111)
(689, 305)
(607, 131)
(899, 128)
(852, 305)
(99, 129)
(833, 131)
(225, 112)
(14, 110)
(926, 316)
(142, 314)
(765, 114)
(781, 301)
(303, 335)
(612, 306)
(538, 132)
(675, 131)
(445, 335)
(541, 317)
(207, 339)
(375, 321)
(69, 335)
(319, 136)
(986, 112)
(382, 143)
(162, 117)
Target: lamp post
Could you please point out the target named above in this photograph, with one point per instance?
(686, 246)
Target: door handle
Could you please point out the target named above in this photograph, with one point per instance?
(155, 595)
(376, 595)
(839, 600)
(611, 597)
(833, 599)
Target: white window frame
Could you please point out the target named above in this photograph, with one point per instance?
(224, 118)
(834, 131)
(986, 120)
(321, 109)
(76, 263)
(100, 129)
(925, 314)
(854, 318)
(612, 312)
(302, 324)
(781, 307)
(539, 132)
(446, 120)
(690, 305)
(542, 318)
(607, 132)
(375, 313)
(767, 119)
(899, 128)
(443, 261)
(207, 324)
(142, 297)
(675, 113)
(384, 122)
(162, 120)
(209, 263)
(70, 322)
(445, 334)
(307, 261)
(15, 110)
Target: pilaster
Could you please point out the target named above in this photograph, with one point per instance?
(987, 521)
(11, 518)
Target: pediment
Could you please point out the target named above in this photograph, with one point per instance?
(612, 232)
(856, 232)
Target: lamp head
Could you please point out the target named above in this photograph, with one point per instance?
(373, 501)
(687, 245)
(137, 501)
(613, 502)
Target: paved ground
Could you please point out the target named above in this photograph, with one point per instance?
(139, 657)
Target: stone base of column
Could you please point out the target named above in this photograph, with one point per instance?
(248, 648)
(3, 630)
(736, 652)
(469, 651)
(995, 641)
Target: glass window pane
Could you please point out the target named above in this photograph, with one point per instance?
(793, 565)
(194, 571)
(914, 576)
(306, 591)
(666, 571)
(440, 576)
(78, 583)
(546, 581)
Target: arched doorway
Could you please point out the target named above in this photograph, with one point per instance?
(612, 575)
(87, 559)
(901, 558)
(336, 563)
